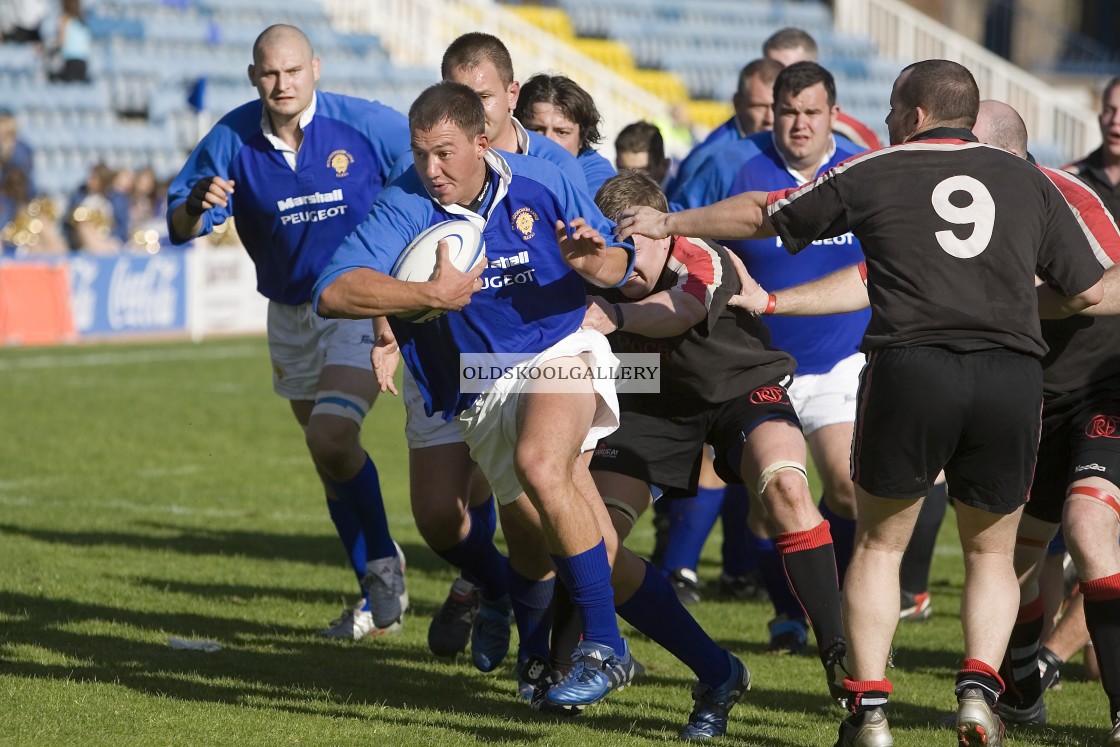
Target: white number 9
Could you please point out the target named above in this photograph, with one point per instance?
(981, 213)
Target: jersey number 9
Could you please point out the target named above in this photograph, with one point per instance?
(980, 213)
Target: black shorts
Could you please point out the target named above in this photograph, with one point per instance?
(976, 415)
(662, 443)
(1080, 438)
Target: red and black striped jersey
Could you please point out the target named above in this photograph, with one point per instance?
(954, 233)
(722, 357)
(1083, 349)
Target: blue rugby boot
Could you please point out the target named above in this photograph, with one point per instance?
(709, 715)
(490, 634)
(596, 670)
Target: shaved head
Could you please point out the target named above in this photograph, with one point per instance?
(999, 125)
(280, 34)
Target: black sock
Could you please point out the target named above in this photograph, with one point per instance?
(916, 561)
(1102, 617)
(810, 564)
(566, 627)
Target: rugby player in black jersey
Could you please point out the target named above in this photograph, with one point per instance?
(1078, 469)
(721, 383)
(954, 233)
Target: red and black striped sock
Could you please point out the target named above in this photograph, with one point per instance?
(1102, 617)
(811, 568)
(976, 674)
(1020, 664)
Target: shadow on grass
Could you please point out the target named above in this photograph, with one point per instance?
(191, 540)
(279, 668)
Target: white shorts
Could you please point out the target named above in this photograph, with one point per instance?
(827, 398)
(490, 424)
(301, 343)
(421, 429)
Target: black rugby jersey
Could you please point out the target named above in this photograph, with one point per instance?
(954, 232)
(724, 356)
(1084, 350)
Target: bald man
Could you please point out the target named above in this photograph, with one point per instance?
(1078, 470)
(298, 169)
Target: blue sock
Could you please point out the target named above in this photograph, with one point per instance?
(738, 558)
(480, 561)
(691, 521)
(351, 535)
(362, 495)
(532, 609)
(588, 578)
(485, 516)
(774, 577)
(843, 538)
(657, 613)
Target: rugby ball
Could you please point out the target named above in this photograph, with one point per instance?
(417, 263)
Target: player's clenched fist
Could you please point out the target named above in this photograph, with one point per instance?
(208, 193)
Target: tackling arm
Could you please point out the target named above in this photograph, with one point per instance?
(742, 216)
(836, 293)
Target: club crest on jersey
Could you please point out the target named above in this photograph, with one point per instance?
(525, 222)
(340, 161)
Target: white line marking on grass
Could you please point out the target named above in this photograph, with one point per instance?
(126, 357)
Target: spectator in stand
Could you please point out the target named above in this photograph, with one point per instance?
(120, 197)
(20, 20)
(91, 214)
(72, 46)
(27, 226)
(1101, 168)
(558, 108)
(14, 153)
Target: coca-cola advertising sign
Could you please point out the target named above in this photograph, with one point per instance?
(129, 294)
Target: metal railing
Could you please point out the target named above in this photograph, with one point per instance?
(901, 32)
(416, 32)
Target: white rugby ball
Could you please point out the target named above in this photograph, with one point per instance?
(417, 263)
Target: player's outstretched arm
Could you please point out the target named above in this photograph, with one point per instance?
(1053, 305)
(663, 314)
(206, 194)
(363, 293)
(742, 216)
(586, 251)
(836, 293)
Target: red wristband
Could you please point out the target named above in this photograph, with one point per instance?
(771, 302)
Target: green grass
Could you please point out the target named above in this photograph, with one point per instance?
(163, 490)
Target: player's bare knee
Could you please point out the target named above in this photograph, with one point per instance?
(542, 473)
(441, 522)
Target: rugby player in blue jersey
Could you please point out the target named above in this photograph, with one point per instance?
(450, 498)
(525, 439)
(298, 170)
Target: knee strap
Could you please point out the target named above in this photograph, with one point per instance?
(341, 404)
(623, 508)
(769, 473)
(1084, 492)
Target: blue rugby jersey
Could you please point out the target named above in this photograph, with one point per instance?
(712, 179)
(291, 221)
(727, 132)
(530, 298)
(596, 168)
(818, 343)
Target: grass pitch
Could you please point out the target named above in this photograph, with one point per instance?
(158, 491)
